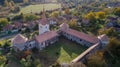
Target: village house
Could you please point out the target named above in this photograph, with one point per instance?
(8, 28)
(19, 42)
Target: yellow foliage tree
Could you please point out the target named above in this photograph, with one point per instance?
(73, 23)
(101, 15)
(91, 17)
(67, 11)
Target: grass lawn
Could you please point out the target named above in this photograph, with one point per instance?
(38, 8)
(62, 51)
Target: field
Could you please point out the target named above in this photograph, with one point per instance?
(62, 51)
(38, 8)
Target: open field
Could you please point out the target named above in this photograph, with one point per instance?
(38, 8)
(62, 51)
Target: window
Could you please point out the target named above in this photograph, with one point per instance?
(80, 40)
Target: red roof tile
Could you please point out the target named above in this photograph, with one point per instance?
(86, 37)
(46, 36)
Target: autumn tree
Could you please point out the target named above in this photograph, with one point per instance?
(67, 11)
(96, 60)
(73, 23)
(91, 17)
(3, 22)
(2, 60)
(54, 14)
(101, 15)
(116, 11)
(114, 47)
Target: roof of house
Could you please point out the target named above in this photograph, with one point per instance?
(8, 27)
(86, 37)
(19, 39)
(18, 25)
(46, 36)
(64, 25)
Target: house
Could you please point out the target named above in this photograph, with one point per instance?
(8, 28)
(18, 26)
(19, 42)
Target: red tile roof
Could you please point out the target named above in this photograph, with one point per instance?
(86, 37)
(46, 36)
(19, 39)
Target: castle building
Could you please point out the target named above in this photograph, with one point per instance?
(47, 37)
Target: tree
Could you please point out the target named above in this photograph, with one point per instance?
(55, 14)
(73, 23)
(3, 22)
(91, 17)
(30, 17)
(116, 11)
(96, 60)
(114, 47)
(2, 60)
(101, 15)
(67, 11)
(6, 3)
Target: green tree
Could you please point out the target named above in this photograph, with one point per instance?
(101, 15)
(114, 47)
(96, 60)
(91, 17)
(30, 17)
(73, 23)
(2, 60)
(3, 22)
(116, 11)
(55, 14)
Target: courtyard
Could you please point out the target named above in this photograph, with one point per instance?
(63, 51)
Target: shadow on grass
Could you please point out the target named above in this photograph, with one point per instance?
(61, 51)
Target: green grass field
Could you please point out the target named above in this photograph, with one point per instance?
(62, 51)
(38, 8)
